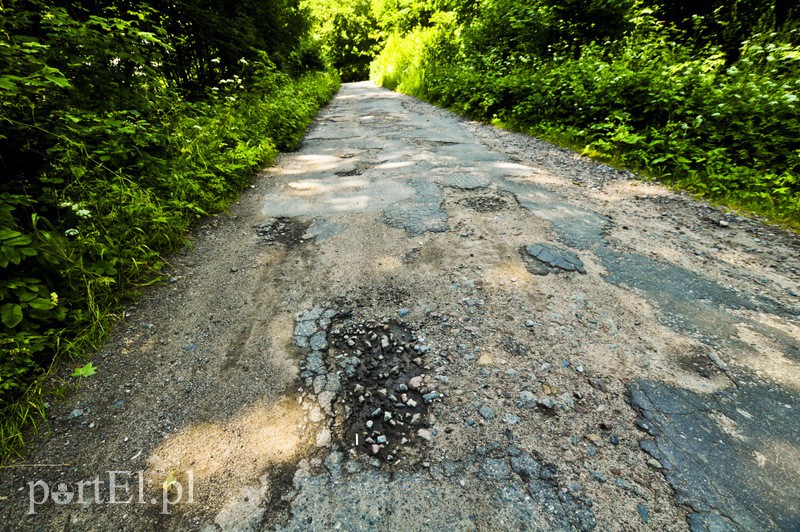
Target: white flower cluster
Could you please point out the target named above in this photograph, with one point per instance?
(77, 208)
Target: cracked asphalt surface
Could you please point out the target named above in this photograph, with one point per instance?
(417, 322)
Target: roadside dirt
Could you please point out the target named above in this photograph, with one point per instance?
(418, 322)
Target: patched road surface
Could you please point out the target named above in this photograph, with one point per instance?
(417, 322)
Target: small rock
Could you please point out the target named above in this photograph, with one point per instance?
(425, 434)
(485, 360)
(614, 440)
(430, 397)
(655, 464)
(529, 323)
(403, 312)
(78, 412)
(597, 384)
(722, 223)
(511, 419)
(324, 438)
(375, 448)
(527, 398)
(643, 512)
(595, 439)
(546, 402)
(487, 412)
(411, 403)
(370, 424)
(382, 439)
(415, 383)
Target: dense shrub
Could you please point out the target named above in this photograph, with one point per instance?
(107, 161)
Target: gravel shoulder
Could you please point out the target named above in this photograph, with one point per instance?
(418, 322)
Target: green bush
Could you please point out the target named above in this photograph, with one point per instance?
(105, 168)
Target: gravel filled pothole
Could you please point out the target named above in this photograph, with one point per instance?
(286, 231)
(484, 203)
(370, 380)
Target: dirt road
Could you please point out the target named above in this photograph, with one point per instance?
(416, 322)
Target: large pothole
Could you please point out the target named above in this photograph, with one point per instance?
(369, 379)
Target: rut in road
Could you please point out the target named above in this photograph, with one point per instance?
(416, 322)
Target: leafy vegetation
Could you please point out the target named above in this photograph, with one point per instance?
(704, 97)
(347, 33)
(122, 123)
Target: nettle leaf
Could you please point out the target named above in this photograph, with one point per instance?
(11, 315)
(86, 371)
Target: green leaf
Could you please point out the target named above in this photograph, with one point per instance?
(86, 371)
(11, 315)
(61, 82)
(41, 303)
(27, 296)
(5, 234)
(7, 84)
